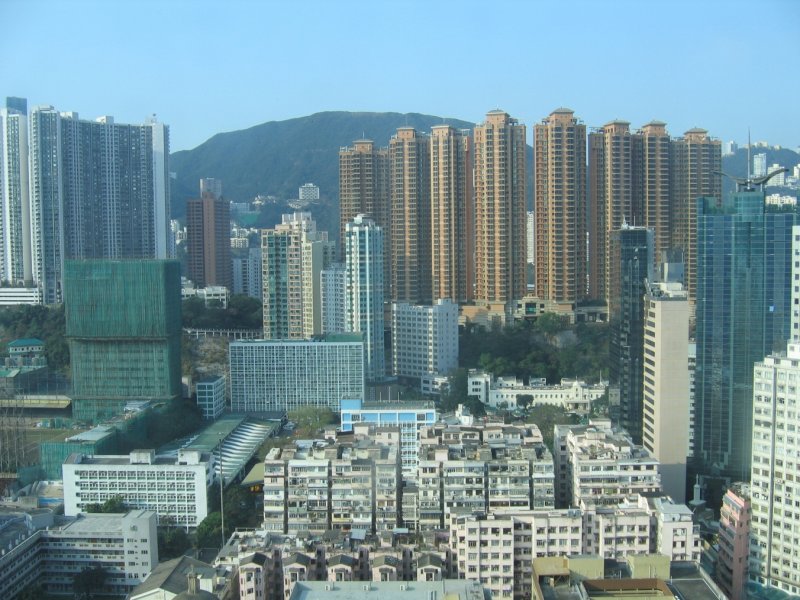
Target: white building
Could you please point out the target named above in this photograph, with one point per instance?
(408, 417)
(10, 296)
(333, 294)
(210, 393)
(774, 484)
(124, 545)
(364, 290)
(15, 207)
(780, 178)
(424, 339)
(290, 374)
(308, 192)
(504, 392)
(531, 236)
(666, 414)
(759, 164)
(599, 465)
(247, 274)
(174, 487)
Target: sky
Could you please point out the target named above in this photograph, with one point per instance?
(205, 67)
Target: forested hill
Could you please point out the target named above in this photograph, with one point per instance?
(278, 157)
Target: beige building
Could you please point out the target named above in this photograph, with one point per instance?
(452, 214)
(560, 206)
(665, 432)
(696, 159)
(293, 254)
(409, 193)
(500, 209)
(364, 186)
(651, 183)
(610, 197)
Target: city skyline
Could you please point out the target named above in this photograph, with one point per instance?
(272, 62)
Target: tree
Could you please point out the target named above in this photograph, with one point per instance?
(208, 534)
(524, 401)
(112, 505)
(547, 416)
(172, 542)
(88, 582)
(311, 419)
(32, 592)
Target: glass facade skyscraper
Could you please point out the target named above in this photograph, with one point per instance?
(743, 314)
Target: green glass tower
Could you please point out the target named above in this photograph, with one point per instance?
(744, 260)
(124, 333)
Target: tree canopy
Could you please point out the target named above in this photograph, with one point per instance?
(243, 312)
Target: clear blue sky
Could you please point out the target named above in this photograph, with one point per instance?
(205, 67)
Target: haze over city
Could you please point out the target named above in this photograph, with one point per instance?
(208, 67)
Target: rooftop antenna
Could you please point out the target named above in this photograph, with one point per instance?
(749, 183)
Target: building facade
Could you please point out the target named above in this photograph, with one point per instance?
(364, 290)
(333, 292)
(174, 487)
(735, 518)
(560, 206)
(210, 393)
(424, 339)
(123, 325)
(743, 311)
(665, 389)
(500, 209)
(16, 254)
(293, 255)
(452, 215)
(208, 241)
(291, 374)
(410, 198)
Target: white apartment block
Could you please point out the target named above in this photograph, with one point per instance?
(124, 545)
(308, 491)
(666, 417)
(291, 374)
(596, 464)
(308, 191)
(774, 481)
(424, 339)
(498, 549)
(504, 392)
(210, 393)
(171, 486)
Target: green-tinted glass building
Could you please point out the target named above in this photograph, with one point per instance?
(744, 261)
(124, 333)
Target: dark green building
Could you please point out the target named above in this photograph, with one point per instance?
(124, 333)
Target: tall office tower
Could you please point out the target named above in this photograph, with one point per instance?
(364, 190)
(293, 255)
(208, 237)
(332, 293)
(760, 164)
(794, 331)
(610, 200)
(560, 206)
(696, 160)
(774, 483)
(124, 333)
(650, 156)
(410, 196)
(500, 209)
(363, 241)
(15, 208)
(46, 189)
(211, 187)
(743, 312)
(452, 214)
(665, 431)
(631, 252)
(19, 105)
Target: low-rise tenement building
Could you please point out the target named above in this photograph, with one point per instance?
(172, 487)
(125, 546)
(599, 464)
(499, 549)
(310, 490)
(407, 417)
(504, 392)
